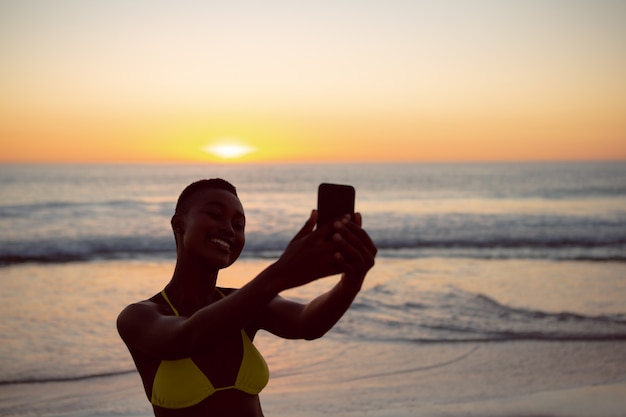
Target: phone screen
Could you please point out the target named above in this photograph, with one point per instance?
(334, 201)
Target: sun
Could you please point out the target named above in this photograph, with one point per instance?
(229, 148)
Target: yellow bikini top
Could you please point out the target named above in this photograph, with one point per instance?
(180, 383)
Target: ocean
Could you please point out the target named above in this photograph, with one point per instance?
(568, 211)
(470, 255)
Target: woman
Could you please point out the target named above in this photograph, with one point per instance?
(192, 342)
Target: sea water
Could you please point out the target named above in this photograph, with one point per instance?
(571, 211)
(469, 253)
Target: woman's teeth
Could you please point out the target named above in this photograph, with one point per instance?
(221, 243)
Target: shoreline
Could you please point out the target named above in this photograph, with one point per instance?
(509, 379)
(516, 378)
(344, 374)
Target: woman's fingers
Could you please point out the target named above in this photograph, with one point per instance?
(355, 235)
(312, 255)
(356, 250)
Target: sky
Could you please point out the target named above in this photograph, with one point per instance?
(317, 81)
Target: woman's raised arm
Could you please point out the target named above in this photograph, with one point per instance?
(146, 327)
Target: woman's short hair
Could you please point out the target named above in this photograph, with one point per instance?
(182, 205)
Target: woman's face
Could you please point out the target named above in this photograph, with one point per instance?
(213, 228)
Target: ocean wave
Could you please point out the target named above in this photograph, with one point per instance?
(455, 316)
(62, 207)
(62, 378)
(82, 249)
(504, 339)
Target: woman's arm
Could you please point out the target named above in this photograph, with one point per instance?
(292, 320)
(146, 327)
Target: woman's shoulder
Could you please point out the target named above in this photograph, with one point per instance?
(155, 305)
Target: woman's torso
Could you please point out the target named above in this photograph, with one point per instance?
(221, 366)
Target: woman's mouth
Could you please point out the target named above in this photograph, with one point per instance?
(221, 243)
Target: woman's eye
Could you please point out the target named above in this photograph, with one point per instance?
(213, 214)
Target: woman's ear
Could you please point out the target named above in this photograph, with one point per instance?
(178, 224)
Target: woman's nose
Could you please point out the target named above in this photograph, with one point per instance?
(227, 228)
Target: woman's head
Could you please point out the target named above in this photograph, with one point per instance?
(209, 223)
(185, 198)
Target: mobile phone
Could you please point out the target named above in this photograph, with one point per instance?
(333, 202)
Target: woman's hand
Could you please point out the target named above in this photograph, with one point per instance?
(310, 255)
(351, 252)
(356, 251)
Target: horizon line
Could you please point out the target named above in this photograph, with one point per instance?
(314, 162)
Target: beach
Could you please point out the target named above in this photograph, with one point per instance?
(587, 380)
(148, 146)
(347, 376)
(498, 289)
(509, 379)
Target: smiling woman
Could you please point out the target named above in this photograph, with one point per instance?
(192, 342)
(229, 148)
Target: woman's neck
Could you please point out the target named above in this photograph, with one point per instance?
(192, 288)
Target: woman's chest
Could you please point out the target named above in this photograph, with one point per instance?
(221, 364)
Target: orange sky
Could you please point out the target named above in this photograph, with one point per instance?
(131, 81)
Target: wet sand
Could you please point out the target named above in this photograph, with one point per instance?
(568, 379)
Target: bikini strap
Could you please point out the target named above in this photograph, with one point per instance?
(169, 302)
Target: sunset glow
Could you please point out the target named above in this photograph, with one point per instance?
(316, 81)
(229, 149)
